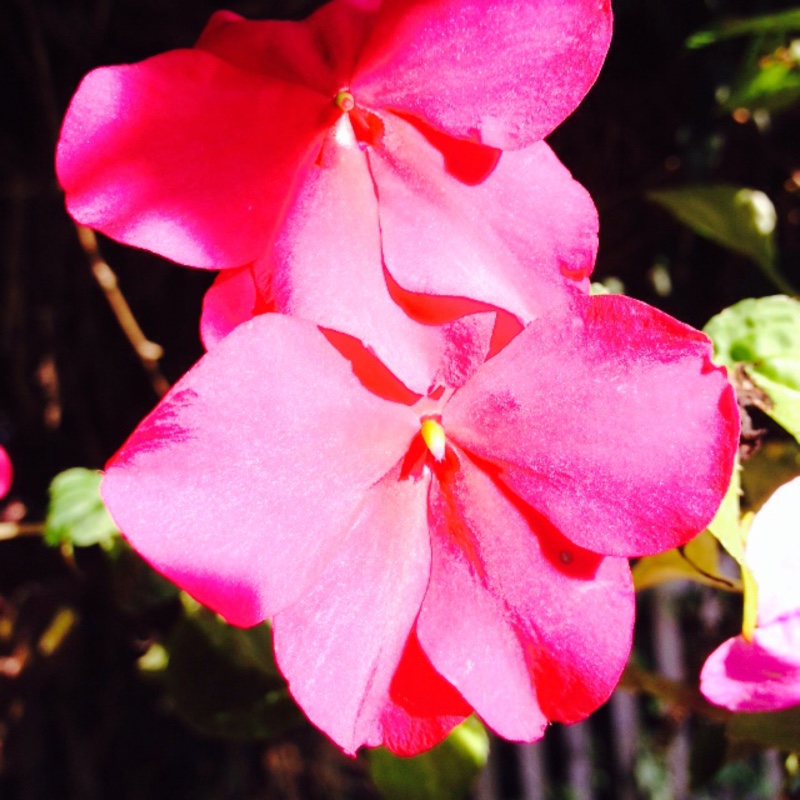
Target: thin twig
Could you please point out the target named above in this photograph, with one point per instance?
(149, 352)
(14, 530)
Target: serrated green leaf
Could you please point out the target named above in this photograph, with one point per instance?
(779, 22)
(739, 219)
(764, 336)
(76, 514)
(779, 729)
(446, 772)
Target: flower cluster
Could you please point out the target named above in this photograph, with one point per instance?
(416, 443)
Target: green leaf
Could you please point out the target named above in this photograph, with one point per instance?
(223, 680)
(779, 729)
(763, 335)
(726, 526)
(771, 84)
(742, 220)
(76, 514)
(779, 22)
(446, 772)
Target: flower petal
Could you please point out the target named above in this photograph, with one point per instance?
(339, 646)
(762, 675)
(528, 627)
(514, 241)
(503, 71)
(251, 469)
(187, 156)
(6, 473)
(327, 267)
(611, 422)
(230, 301)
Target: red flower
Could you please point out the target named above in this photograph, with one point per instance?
(464, 550)
(365, 134)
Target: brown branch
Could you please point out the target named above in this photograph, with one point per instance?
(149, 353)
(14, 530)
(679, 696)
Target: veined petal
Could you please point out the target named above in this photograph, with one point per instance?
(504, 72)
(187, 156)
(339, 646)
(327, 266)
(519, 240)
(230, 301)
(611, 422)
(528, 627)
(253, 468)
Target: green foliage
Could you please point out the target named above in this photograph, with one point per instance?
(76, 515)
(763, 336)
(698, 561)
(740, 219)
(779, 729)
(446, 772)
(780, 22)
(726, 526)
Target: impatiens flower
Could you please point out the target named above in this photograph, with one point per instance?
(762, 672)
(352, 158)
(425, 556)
(6, 473)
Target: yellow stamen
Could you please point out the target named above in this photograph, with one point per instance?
(433, 435)
(345, 100)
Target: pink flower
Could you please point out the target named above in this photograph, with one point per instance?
(425, 556)
(364, 135)
(764, 674)
(6, 473)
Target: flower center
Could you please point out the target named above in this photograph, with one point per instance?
(433, 436)
(345, 100)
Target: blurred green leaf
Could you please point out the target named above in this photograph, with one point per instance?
(138, 588)
(223, 680)
(446, 772)
(773, 84)
(763, 335)
(76, 514)
(740, 219)
(779, 729)
(702, 552)
(728, 29)
(726, 526)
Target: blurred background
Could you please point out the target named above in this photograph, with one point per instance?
(114, 686)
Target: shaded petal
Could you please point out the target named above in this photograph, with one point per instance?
(327, 267)
(230, 300)
(528, 627)
(252, 468)
(339, 646)
(762, 675)
(503, 71)
(318, 52)
(514, 241)
(611, 422)
(187, 156)
(773, 554)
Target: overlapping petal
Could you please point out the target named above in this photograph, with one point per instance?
(504, 72)
(595, 391)
(528, 627)
(230, 301)
(253, 468)
(187, 156)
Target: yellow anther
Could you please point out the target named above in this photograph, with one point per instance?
(433, 435)
(345, 101)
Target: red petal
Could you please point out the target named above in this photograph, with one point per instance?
(187, 156)
(230, 301)
(6, 473)
(504, 71)
(318, 52)
(611, 422)
(514, 241)
(327, 267)
(250, 471)
(525, 625)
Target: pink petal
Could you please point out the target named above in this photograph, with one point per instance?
(340, 645)
(503, 71)
(524, 624)
(773, 554)
(514, 241)
(318, 52)
(762, 675)
(611, 422)
(186, 156)
(247, 475)
(230, 301)
(6, 473)
(326, 266)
